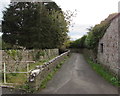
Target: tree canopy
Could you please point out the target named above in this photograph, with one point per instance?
(79, 43)
(34, 25)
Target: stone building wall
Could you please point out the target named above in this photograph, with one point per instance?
(108, 47)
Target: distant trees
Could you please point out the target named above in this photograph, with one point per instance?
(79, 43)
(91, 40)
(97, 32)
(34, 25)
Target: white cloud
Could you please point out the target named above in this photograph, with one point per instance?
(78, 31)
(74, 37)
(3, 4)
(89, 12)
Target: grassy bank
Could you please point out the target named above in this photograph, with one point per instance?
(104, 73)
(50, 75)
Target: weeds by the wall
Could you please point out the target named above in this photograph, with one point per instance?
(114, 80)
(50, 75)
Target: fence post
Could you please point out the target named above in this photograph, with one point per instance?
(4, 73)
(27, 70)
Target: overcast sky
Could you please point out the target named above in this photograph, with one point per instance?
(89, 13)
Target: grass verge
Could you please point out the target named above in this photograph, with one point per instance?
(50, 75)
(28, 89)
(114, 80)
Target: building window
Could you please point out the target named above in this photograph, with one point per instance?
(101, 47)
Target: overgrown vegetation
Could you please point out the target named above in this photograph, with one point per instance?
(114, 80)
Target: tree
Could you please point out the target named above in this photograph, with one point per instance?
(82, 41)
(34, 25)
(95, 34)
(17, 23)
(79, 43)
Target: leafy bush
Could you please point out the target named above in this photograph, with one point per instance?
(12, 53)
(79, 43)
(95, 35)
(15, 54)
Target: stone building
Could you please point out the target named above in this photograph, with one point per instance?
(108, 49)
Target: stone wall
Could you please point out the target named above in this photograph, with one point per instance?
(89, 53)
(108, 48)
(15, 60)
(39, 74)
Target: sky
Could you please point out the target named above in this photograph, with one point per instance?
(89, 13)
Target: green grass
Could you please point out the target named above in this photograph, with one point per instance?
(33, 65)
(104, 73)
(21, 78)
(28, 89)
(50, 75)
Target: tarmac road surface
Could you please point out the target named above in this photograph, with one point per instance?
(77, 77)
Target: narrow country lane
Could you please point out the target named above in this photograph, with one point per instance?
(77, 77)
(74, 77)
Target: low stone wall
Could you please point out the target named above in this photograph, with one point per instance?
(38, 75)
(15, 60)
(90, 54)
